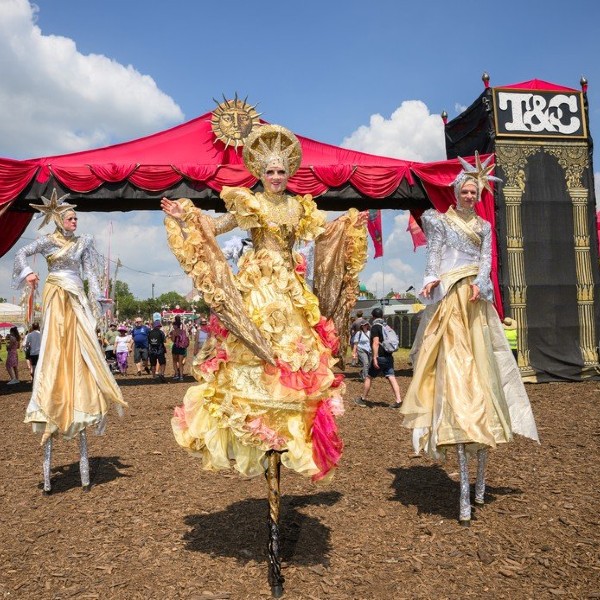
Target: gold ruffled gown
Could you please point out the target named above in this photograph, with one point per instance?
(265, 378)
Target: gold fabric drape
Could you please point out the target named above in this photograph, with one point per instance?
(73, 386)
(340, 255)
(466, 387)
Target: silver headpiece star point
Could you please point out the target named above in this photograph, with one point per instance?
(53, 209)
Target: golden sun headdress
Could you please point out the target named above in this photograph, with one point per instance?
(479, 173)
(270, 143)
(54, 209)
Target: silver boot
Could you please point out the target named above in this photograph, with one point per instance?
(47, 489)
(84, 463)
(482, 455)
(465, 501)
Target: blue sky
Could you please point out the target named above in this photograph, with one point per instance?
(373, 76)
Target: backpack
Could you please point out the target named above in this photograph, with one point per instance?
(182, 340)
(390, 342)
(156, 342)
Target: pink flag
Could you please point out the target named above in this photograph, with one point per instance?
(374, 227)
(416, 232)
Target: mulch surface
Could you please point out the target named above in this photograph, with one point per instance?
(154, 525)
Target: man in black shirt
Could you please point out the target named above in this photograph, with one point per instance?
(382, 362)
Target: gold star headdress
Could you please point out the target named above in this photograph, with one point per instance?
(480, 173)
(54, 209)
(270, 143)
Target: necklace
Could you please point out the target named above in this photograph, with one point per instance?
(281, 209)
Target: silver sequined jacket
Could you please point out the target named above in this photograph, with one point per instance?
(82, 257)
(449, 248)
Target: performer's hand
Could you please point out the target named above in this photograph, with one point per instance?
(32, 280)
(171, 208)
(426, 291)
(363, 217)
(476, 293)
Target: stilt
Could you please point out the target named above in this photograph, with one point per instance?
(47, 489)
(84, 463)
(482, 455)
(465, 501)
(272, 474)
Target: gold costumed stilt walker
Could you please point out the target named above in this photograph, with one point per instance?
(73, 387)
(466, 390)
(267, 394)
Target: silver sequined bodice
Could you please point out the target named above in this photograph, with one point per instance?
(81, 260)
(448, 248)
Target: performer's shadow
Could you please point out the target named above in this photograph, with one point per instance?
(433, 492)
(102, 470)
(241, 531)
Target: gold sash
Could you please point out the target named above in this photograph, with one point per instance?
(463, 226)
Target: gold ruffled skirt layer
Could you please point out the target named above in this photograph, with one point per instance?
(73, 386)
(243, 406)
(466, 387)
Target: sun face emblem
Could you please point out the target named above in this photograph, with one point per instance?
(233, 120)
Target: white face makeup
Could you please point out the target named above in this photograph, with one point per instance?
(70, 221)
(468, 195)
(275, 178)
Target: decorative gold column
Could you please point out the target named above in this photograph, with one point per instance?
(511, 157)
(573, 158)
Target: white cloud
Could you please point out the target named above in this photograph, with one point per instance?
(459, 108)
(57, 100)
(411, 133)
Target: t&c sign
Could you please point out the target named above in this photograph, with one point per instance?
(539, 113)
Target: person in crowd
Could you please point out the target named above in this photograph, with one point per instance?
(157, 351)
(109, 338)
(73, 388)
(201, 335)
(354, 327)
(361, 348)
(140, 333)
(33, 342)
(466, 391)
(512, 335)
(123, 348)
(13, 342)
(265, 374)
(382, 362)
(180, 339)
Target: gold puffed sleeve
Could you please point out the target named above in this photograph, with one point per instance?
(193, 242)
(340, 256)
(243, 205)
(313, 221)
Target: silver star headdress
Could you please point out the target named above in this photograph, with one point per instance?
(479, 173)
(54, 209)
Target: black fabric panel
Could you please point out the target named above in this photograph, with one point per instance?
(550, 271)
(472, 130)
(126, 197)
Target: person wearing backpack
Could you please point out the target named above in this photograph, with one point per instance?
(181, 341)
(157, 351)
(384, 342)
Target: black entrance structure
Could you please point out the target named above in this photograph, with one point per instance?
(545, 220)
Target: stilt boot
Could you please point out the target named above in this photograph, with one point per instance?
(84, 463)
(465, 501)
(482, 455)
(47, 489)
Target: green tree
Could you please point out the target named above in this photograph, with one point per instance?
(3, 300)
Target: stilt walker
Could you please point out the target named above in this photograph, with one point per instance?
(73, 388)
(266, 393)
(466, 390)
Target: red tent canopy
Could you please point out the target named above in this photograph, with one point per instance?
(186, 161)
